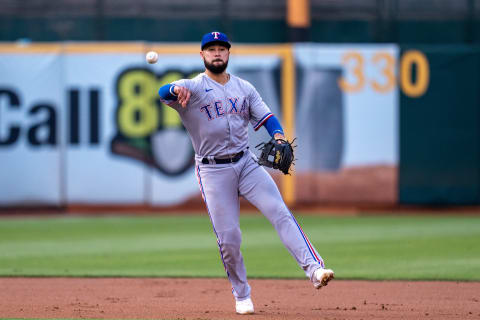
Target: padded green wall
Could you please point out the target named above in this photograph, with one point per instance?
(440, 131)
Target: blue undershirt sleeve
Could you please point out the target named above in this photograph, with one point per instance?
(166, 92)
(273, 126)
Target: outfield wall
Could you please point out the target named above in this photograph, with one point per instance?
(81, 123)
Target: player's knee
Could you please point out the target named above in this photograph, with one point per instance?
(277, 214)
(276, 209)
(281, 219)
(231, 237)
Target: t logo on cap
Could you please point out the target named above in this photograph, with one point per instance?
(215, 37)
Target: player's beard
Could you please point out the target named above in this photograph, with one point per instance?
(216, 69)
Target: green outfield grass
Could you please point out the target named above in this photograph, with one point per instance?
(371, 247)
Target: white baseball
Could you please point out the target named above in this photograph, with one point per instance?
(152, 57)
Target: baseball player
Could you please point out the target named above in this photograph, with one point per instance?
(215, 108)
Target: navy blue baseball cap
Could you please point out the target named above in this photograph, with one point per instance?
(215, 36)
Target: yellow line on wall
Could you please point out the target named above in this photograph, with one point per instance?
(73, 47)
(288, 103)
(105, 47)
(29, 48)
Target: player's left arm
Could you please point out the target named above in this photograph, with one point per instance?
(259, 110)
(274, 128)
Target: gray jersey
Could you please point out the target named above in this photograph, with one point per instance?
(217, 115)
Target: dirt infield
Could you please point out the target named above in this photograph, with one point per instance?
(159, 298)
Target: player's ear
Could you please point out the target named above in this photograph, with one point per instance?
(201, 54)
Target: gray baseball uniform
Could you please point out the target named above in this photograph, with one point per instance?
(216, 119)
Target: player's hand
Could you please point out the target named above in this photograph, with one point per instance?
(183, 95)
(279, 136)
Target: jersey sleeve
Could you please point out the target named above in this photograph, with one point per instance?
(259, 111)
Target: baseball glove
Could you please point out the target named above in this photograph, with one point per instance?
(277, 154)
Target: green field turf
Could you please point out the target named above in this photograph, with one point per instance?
(367, 247)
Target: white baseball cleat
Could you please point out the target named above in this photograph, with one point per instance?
(244, 306)
(321, 277)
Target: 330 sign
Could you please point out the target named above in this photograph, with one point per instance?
(356, 80)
